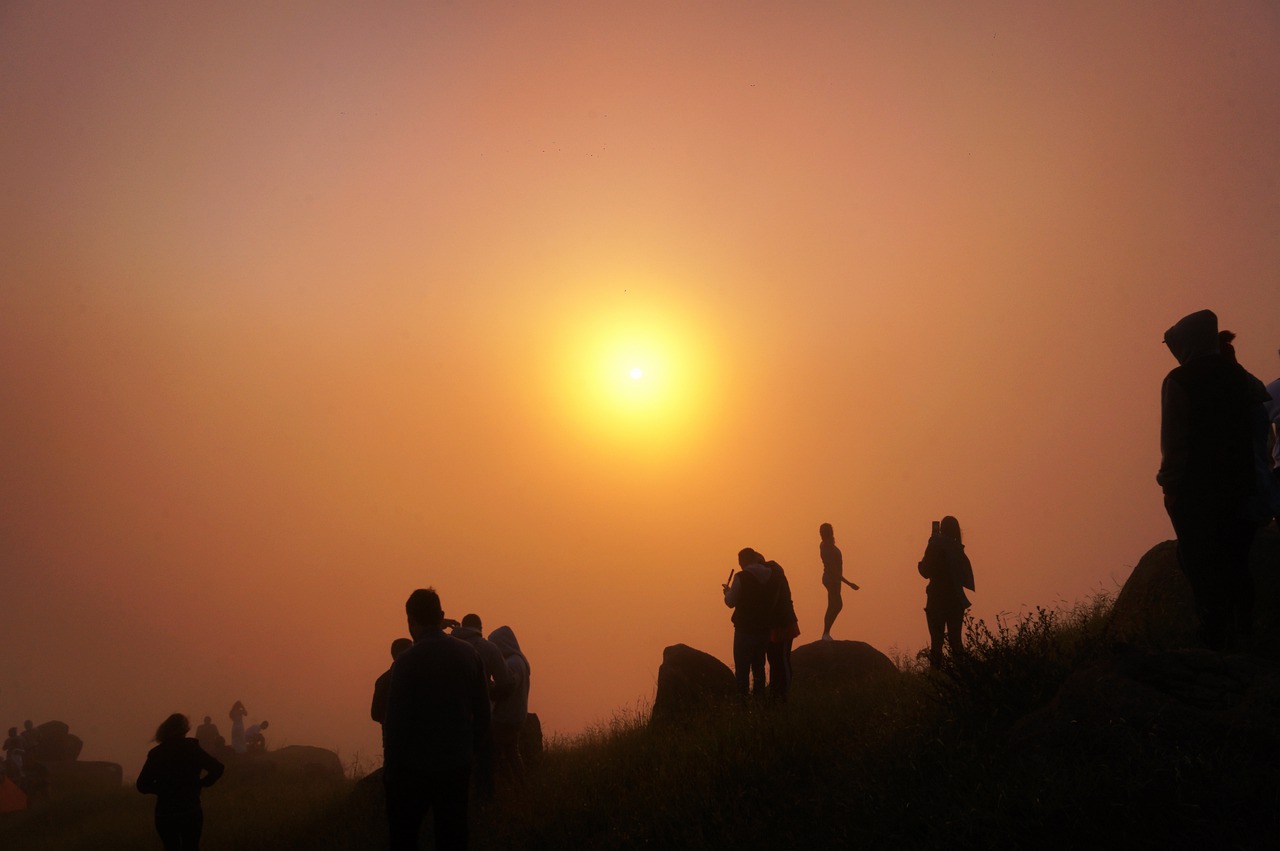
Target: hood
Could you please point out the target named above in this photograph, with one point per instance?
(1194, 335)
(506, 641)
(761, 572)
(466, 633)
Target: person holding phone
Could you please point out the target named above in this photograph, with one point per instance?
(949, 572)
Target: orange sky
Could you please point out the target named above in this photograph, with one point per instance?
(304, 308)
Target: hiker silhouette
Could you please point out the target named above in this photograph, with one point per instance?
(832, 577)
(378, 709)
(177, 768)
(750, 594)
(949, 572)
(1208, 418)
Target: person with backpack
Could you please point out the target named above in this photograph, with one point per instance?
(750, 593)
(784, 627)
(949, 572)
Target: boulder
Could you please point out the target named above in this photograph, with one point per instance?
(1155, 608)
(69, 778)
(531, 739)
(828, 664)
(55, 743)
(690, 680)
(304, 761)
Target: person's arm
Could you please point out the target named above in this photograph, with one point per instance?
(482, 737)
(1174, 435)
(212, 767)
(378, 709)
(147, 782)
(732, 589)
(496, 667)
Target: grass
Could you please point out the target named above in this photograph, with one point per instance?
(917, 760)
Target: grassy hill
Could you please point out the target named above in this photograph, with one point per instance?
(921, 759)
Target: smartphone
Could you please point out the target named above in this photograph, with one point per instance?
(937, 527)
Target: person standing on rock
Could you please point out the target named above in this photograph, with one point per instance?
(750, 594)
(784, 627)
(1207, 471)
(176, 770)
(436, 730)
(237, 727)
(949, 572)
(832, 577)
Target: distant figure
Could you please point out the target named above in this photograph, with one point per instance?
(209, 738)
(1207, 419)
(378, 709)
(237, 727)
(30, 736)
(436, 730)
(832, 577)
(750, 594)
(14, 752)
(177, 768)
(783, 629)
(254, 741)
(949, 572)
(500, 680)
(510, 710)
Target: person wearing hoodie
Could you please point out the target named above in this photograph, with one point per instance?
(1207, 472)
(750, 593)
(949, 572)
(510, 710)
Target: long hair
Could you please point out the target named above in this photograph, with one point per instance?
(950, 527)
(173, 727)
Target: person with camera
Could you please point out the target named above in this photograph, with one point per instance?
(949, 572)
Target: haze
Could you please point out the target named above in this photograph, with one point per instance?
(307, 305)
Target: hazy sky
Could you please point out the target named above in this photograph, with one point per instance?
(306, 305)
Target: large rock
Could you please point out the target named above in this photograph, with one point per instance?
(304, 761)
(1155, 608)
(689, 681)
(827, 664)
(55, 743)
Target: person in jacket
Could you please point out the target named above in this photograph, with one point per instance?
(784, 626)
(436, 730)
(471, 631)
(750, 593)
(949, 572)
(1208, 414)
(378, 707)
(832, 577)
(176, 770)
(511, 708)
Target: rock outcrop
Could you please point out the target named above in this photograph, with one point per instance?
(304, 761)
(688, 681)
(56, 743)
(828, 664)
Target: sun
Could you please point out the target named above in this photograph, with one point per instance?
(636, 373)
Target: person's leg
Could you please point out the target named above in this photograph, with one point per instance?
(406, 807)
(1200, 547)
(834, 604)
(742, 661)
(450, 802)
(937, 625)
(1238, 541)
(955, 635)
(167, 830)
(759, 647)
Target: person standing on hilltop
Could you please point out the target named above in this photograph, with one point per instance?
(949, 572)
(832, 577)
(237, 727)
(378, 708)
(500, 678)
(1207, 471)
(512, 706)
(436, 730)
(750, 594)
(784, 626)
(176, 770)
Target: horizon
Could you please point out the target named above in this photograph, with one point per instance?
(555, 310)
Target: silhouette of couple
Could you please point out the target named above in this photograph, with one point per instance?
(764, 625)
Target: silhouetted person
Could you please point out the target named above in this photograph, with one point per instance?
(254, 740)
(378, 709)
(1273, 414)
(495, 666)
(1207, 472)
(1266, 499)
(177, 768)
(510, 710)
(30, 736)
(208, 736)
(784, 626)
(14, 752)
(237, 727)
(750, 594)
(832, 577)
(436, 730)
(949, 572)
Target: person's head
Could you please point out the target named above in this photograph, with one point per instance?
(472, 621)
(264, 725)
(950, 527)
(27, 725)
(13, 731)
(208, 719)
(1193, 336)
(399, 646)
(748, 556)
(826, 532)
(173, 727)
(423, 611)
